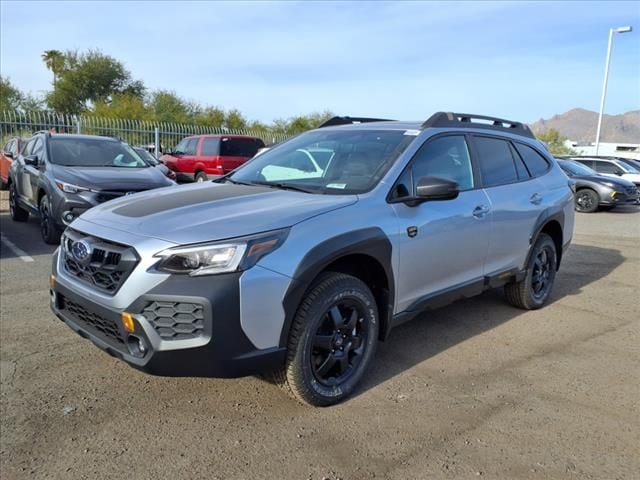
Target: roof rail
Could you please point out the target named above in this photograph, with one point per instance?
(332, 122)
(462, 120)
(46, 132)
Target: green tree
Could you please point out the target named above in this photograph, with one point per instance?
(167, 106)
(234, 120)
(555, 142)
(54, 60)
(124, 106)
(10, 97)
(89, 78)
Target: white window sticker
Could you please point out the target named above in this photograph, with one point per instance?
(337, 185)
(412, 132)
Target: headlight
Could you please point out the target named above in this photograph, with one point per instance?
(220, 257)
(69, 188)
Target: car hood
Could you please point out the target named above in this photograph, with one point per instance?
(210, 211)
(620, 182)
(111, 178)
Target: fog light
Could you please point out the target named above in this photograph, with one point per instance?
(68, 217)
(137, 346)
(127, 322)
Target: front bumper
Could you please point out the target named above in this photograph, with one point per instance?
(617, 197)
(220, 350)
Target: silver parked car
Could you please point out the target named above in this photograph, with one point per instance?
(298, 265)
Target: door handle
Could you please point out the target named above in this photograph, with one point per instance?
(536, 199)
(480, 211)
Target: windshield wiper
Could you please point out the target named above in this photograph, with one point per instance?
(286, 186)
(235, 182)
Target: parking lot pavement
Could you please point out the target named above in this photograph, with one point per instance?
(474, 389)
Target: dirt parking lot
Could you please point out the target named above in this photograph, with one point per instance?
(475, 389)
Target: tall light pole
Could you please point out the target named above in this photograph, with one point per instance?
(606, 78)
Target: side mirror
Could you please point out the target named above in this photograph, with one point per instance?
(31, 160)
(8, 155)
(435, 188)
(619, 173)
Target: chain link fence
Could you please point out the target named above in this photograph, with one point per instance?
(134, 132)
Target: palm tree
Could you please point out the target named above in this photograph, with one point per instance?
(54, 60)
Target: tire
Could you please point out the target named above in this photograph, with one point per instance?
(534, 290)
(200, 177)
(49, 229)
(587, 201)
(18, 214)
(4, 185)
(326, 358)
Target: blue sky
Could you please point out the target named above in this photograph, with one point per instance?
(398, 60)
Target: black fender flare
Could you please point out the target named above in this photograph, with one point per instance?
(546, 216)
(372, 242)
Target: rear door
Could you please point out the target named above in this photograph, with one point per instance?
(5, 160)
(210, 155)
(515, 198)
(33, 172)
(22, 179)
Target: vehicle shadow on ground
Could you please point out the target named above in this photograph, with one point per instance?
(436, 331)
(24, 235)
(622, 209)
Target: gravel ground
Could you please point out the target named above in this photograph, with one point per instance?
(474, 389)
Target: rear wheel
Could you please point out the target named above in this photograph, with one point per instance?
(49, 229)
(534, 290)
(18, 213)
(332, 342)
(587, 201)
(201, 177)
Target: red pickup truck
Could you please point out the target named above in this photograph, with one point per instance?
(201, 157)
(9, 151)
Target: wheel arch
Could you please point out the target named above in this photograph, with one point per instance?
(551, 224)
(364, 254)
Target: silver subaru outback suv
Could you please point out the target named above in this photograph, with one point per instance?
(300, 261)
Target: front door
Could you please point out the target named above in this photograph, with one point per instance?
(442, 244)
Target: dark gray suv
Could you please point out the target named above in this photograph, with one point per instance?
(60, 176)
(301, 260)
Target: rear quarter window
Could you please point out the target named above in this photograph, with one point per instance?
(536, 163)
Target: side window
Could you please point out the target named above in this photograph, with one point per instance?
(28, 147)
(8, 148)
(445, 157)
(210, 146)
(523, 173)
(15, 148)
(606, 167)
(247, 147)
(229, 147)
(182, 146)
(535, 162)
(586, 163)
(496, 161)
(192, 147)
(38, 149)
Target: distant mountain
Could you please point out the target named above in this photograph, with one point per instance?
(580, 125)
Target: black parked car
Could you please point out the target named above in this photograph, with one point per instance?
(594, 191)
(154, 162)
(60, 176)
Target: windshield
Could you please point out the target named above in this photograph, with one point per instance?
(334, 162)
(627, 167)
(93, 152)
(576, 168)
(146, 156)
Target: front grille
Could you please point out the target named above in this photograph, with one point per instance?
(632, 191)
(106, 327)
(106, 265)
(106, 195)
(175, 320)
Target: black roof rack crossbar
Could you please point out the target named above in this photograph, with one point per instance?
(332, 122)
(450, 119)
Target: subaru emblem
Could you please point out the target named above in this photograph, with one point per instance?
(82, 251)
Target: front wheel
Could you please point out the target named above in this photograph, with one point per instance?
(49, 229)
(332, 341)
(533, 291)
(587, 201)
